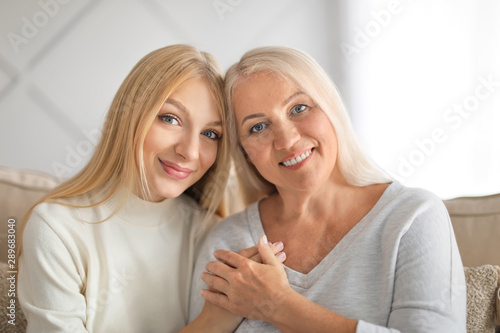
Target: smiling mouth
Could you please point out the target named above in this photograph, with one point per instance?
(297, 159)
(174, 170)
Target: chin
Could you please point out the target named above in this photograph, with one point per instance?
(166, 190)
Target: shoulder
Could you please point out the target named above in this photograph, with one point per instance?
(65, 219)
(408, 200)
(238, 222)
(52, 212)
(50, 227)
(190, 211)
(234, 232)
(189, 204)
(403, 208)
(69, 211)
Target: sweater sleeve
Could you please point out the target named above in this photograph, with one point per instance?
(429, 285)
(50, 287)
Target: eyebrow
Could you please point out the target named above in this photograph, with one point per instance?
(177, 104)
(285, 102)
(182, 108)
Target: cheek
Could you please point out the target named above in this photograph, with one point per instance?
(208, 155)
(257, 147)
(152, 140)
(251, 149)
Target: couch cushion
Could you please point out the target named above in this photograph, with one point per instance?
(19, 190)
(476, 222)
(481, 305)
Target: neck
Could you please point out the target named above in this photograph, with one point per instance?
(327, 202)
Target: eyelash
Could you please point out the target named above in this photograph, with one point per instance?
(163, 118)
(306, 107)
(217, 135)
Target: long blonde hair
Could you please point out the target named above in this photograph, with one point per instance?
(354, 164)
(115, 165)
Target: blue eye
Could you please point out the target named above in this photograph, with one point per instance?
(257, 128)
(169, 119)
(299, 108)
(211, 134)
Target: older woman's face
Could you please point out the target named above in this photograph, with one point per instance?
(287, 137)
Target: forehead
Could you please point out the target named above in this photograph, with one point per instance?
(195, 96)
(263, 86)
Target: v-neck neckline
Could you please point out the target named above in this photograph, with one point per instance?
(306, 280)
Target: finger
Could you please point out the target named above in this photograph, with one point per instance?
(281, 257)
(220, 269)
(230, 258)
(253, 252)
(214, 282)
(276, 248)
(267, 255)
(249, 252)
(217, 299)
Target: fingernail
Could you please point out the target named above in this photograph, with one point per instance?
(282, 255)
(269, 243)
(263, 239)
(278, 245)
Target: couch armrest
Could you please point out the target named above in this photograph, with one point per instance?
(19, 190)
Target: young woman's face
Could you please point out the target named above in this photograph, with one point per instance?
(288, 138)
(181, 144)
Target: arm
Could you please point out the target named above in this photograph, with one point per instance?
(262, 292)
(215, 319)
(49, 283)
(429, 283)
(429, 287)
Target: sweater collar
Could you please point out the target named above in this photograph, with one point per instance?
(141, 212)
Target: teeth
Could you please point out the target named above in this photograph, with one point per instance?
(297, 159)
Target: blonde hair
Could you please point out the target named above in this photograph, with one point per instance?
(115, 166)
(354, 164)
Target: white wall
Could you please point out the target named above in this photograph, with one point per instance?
(424, 89)
(62, 61)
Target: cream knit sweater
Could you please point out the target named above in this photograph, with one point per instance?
(131, 273)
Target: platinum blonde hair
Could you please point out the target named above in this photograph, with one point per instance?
(300, 68)
(117, 165)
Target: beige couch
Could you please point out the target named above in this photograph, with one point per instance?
(476, 222)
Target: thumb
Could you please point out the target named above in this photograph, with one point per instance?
(266, 253)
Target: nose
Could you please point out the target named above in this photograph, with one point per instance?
(285, 135)
(188, 147)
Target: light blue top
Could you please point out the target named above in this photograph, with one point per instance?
(397, 270)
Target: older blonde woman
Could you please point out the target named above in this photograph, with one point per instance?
(113, 248)
(364, 253)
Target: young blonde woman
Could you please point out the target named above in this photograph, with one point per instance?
(364, 253)
(112, 249)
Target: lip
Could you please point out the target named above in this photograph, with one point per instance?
(294, 155)
(174, 170)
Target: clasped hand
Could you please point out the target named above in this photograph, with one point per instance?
(245, 286)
